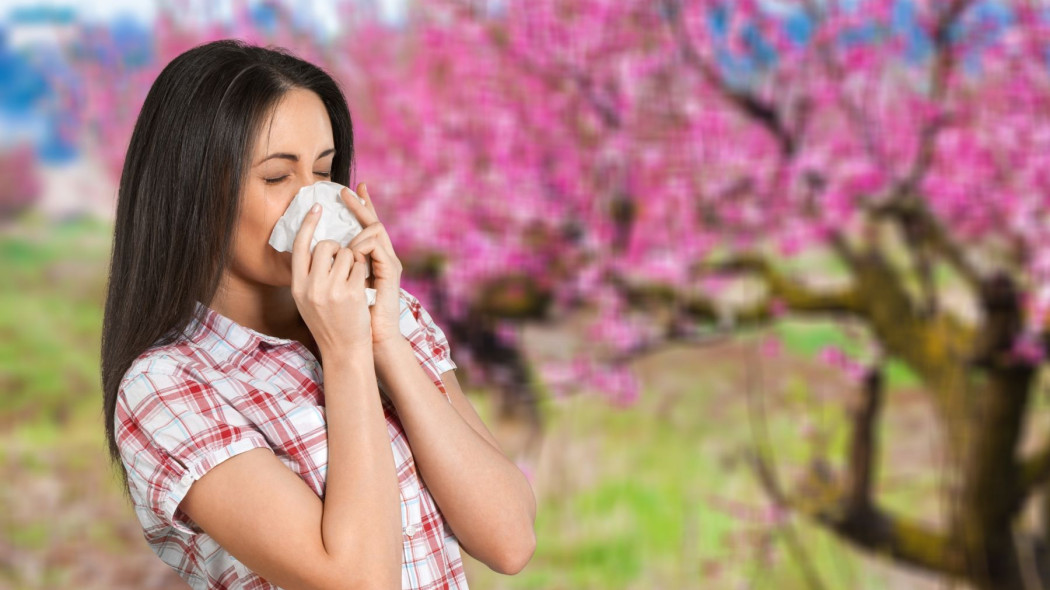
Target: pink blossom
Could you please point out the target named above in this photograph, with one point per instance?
(1028, 347)
(771, 347)
(777, 307)
(832, 355)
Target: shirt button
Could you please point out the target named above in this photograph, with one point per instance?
(410, 530)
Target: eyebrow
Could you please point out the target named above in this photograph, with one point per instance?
(294, 157)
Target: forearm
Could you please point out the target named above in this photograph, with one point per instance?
(361, 523)
(484, 496)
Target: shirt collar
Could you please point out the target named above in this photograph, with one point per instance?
(222, 336)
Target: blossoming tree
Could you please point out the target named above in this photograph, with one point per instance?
(624, 154)
(629, 156)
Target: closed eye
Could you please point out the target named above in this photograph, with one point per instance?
(278, 179)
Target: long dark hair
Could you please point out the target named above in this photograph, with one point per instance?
(179, 193)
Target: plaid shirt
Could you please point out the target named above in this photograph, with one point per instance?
(223, 389)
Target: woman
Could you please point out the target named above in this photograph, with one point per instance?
(272, 429)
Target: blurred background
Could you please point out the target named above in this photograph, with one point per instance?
(754, 292)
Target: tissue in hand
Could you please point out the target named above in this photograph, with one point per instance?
(337, 222)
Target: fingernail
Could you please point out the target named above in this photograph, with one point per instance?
(364, 187)
(315, 208)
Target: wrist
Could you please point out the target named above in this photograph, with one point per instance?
(390, 347)
(353, 354)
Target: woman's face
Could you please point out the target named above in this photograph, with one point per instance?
(293, 150)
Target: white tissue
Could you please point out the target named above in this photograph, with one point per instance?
(337, 222)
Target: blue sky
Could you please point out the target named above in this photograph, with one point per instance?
(144, 11)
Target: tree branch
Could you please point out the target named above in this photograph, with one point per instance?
(862, 447)
(870, 527)
(857, 115)
(1034, 471)
(916, 220)
(583, 82)
(944, 60)
(793, 294)
(765, 114)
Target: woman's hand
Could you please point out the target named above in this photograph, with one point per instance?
(373, 241)
(330, 294)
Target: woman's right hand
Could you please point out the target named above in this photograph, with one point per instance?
(331, 296)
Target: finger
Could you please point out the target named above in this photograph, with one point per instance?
(372, 231)
(380, 230)
(385, 255)
(344, 258)
(301, 245)
(366, 247)
(371, 205)
(376, 232)
(365, 214)
(378, 254)
(376, 244)
(362, 190)
(323, 253)
(357, 272)
(373, 246)
(384, 237)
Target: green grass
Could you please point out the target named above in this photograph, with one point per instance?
(654, 515)
(807, 337)
(51, 317)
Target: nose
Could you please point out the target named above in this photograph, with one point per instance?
(304, 176)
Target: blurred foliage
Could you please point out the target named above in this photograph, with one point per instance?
(51, 316)
(19, 181)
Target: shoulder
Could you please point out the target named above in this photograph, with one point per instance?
(169, 400)
(163, 371)
(179, 357)
(172, 426)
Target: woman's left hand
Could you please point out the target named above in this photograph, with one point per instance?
(373, 241)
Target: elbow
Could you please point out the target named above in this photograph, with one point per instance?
(374, 583)
(520, 548)
(367, 571)
(515, 557)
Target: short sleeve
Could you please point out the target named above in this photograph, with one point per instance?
(171, 430)
(425, 335)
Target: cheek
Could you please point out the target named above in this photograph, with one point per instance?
(278, 264)
(263, 207)
(259, 215)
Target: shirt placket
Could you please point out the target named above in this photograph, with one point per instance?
(411, 522)
(408, 481)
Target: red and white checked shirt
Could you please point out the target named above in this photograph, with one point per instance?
(223, 389)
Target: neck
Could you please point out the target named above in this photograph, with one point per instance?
(266, 309)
